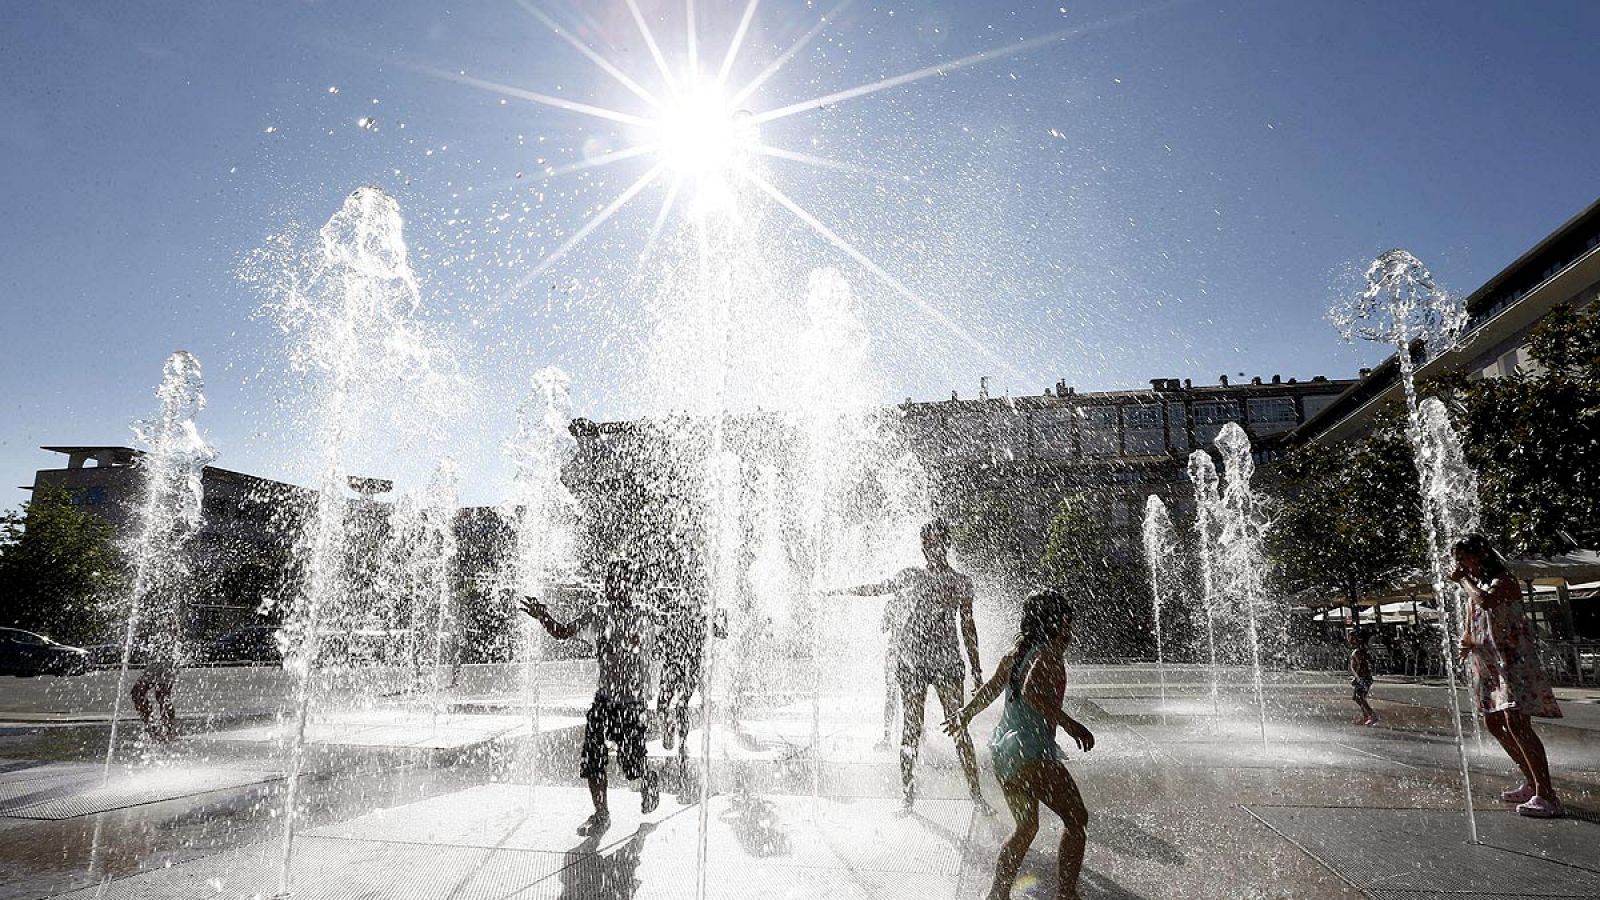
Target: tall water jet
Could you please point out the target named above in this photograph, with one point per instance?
(542, 514)
(831, 420)
(433, 613)
(350, 311)
(172, 464)
(1401, 306)
(1160, 551)
(1450, 494)
(1207, 502)
(1240, 542)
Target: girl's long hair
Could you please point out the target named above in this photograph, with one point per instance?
(1044, 614)
(1475, 544)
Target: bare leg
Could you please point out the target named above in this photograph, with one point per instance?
(1053, 785)
(141, 702)
(1535, 763)
(1498, 726)
(950, 699)
(169, 713)
(891, 691)
(1025, 809)
(910, 733)
(601, 819)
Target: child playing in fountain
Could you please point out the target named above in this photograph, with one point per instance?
(1026, 760)
(622, 628)
(682, 650)
(1361, 676)
(1512, 685)
(934, 597)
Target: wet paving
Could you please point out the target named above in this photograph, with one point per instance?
(1183, 803)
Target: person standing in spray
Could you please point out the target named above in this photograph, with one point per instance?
(935, 596)
(683, 632)
(1512, 684)
(623, 628)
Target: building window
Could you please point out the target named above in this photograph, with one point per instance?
(1100, 431)
(1210, 416)
(1052, 433)
(1145, 432)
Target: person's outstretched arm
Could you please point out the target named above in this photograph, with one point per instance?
(1044, 685)
(969, 635)
(541, 614)
(984, 696)
(875, 589)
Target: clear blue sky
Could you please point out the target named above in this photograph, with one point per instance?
(1174, 194)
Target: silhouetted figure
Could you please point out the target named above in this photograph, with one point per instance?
(1361, 676)
(682, 644)
(1027, 762)
(935, 596)
(1512, 685)
(152, 692)
(622, 629)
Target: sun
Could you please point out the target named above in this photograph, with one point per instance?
(701, 135)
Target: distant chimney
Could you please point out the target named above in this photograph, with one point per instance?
(983, 387)
(1294, 381)
(1256, 381)
(1319, 379)
(953, 397)
(1061, 388)
(1365, 372)
(1222, 380)
(1277, 379)
(1187, 384)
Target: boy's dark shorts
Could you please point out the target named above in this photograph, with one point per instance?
(1362, 687)
(621, 722)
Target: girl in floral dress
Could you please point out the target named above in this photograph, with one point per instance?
(1512, 686)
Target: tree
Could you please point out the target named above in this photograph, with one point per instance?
(1348, 518)
(59, 567)
(1082, 560)
(1534, 438)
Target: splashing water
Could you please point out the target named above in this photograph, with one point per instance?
(350, 310)
(1160, 552)
(1244, 561)
(173, 464)
(1400, 305)
(1451, 498)
(1207, 503)
(543, 516)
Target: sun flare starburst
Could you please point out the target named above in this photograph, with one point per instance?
(702, 134)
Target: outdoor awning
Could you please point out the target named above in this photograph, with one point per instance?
(1577, 566)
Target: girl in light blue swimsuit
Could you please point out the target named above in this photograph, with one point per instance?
(1026, 759)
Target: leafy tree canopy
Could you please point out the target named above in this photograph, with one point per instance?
(1348, 517)
(1534, 438)
(59, 567)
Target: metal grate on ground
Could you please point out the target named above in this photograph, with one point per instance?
(332, 869)
(1405, 854)
(761, 849)
(81, 791)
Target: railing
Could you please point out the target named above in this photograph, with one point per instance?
(1572, 662)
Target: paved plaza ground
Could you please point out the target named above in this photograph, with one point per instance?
(467, 800)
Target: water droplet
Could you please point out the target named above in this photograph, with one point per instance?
(333, 89)
(272, 129)
(368, 123)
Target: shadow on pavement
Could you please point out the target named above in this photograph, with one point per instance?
(1126, 837)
